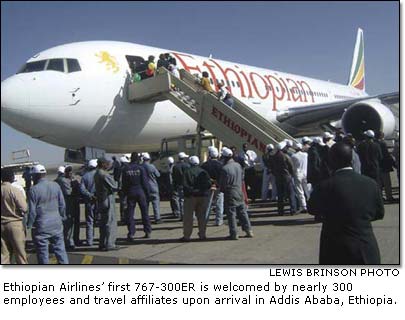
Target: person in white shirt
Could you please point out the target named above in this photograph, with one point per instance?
(173, 69)
(300, 162)
(224, 95)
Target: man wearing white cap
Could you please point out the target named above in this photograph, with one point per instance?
(61, 172)
(213, 166)
(300, 163)
(268, 176)
(230, 183)
(88, 190)
(178, 194)
(370, 155)
(105, 188)
(135, 185)
(46, 216)
(71, 191)
(306, 144)
(197, 184)
(153, 174)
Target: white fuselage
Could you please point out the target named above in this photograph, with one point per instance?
(90, 107)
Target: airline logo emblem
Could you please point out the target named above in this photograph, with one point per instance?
(108, 60)
(357, 74)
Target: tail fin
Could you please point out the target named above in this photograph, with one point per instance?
(357, 73)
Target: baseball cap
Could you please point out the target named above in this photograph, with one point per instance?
(182, 155)
(194, 160)
(328, 135)
(145, 156)
(39, 168)
(298, 146)
(318, 140)
(61, 169)
(93, 163)
(170, 160)
(124, 160)
(270, 147)
(213, 152)
(369, 133)
(226, 152)
(281, 145)
(306, 140)
(288, 142)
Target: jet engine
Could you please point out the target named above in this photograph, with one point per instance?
(365, 115)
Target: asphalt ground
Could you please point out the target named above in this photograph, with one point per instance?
(277, 240)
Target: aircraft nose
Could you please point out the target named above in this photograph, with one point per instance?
(14, 95)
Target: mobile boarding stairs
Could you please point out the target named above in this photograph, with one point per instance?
(232, 126)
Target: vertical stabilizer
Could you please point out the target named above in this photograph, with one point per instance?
(357, 72)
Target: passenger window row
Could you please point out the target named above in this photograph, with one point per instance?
(62, 65)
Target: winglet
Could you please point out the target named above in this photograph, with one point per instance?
(357, 72)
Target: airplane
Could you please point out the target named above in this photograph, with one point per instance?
(75, 96)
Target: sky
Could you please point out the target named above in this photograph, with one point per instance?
(314, 39)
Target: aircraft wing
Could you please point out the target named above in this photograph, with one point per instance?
(314, 116)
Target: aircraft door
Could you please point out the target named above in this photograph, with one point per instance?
(136, 64)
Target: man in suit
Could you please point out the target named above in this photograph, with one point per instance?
(347, 203)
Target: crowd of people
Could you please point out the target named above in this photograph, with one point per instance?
(294, 170)
(144, 69)
(302, 173)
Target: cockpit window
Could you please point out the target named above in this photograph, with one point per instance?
(33, 66)
(59, 64)
(73, 65)
(56, 65)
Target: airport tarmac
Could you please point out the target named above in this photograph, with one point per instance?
(277, 240)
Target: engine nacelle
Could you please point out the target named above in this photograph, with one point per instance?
(365, 115)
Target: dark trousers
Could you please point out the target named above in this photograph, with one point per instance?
(143, 205)
(178, 202)
(71, 226)
(284, 185)
(123, 207)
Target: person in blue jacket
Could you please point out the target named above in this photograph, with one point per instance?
(45, 217)
(135, 187)
(153, 174)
